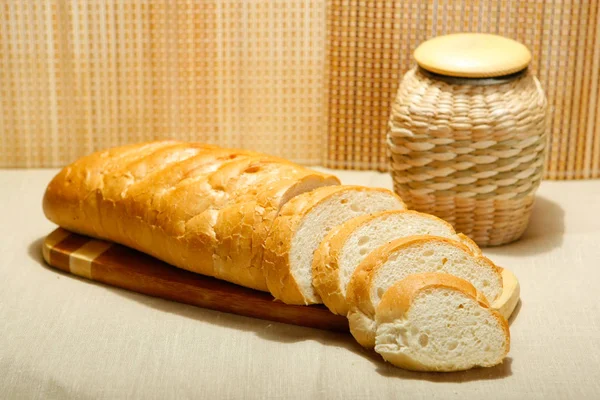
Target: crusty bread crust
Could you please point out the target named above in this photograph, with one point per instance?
(164, 198)
(397, 300)
(358, 297)
(70, 196)
(326, 267)
(470, 243)
(276, 265)
(506, 303)
(242, 228)
(280, 280)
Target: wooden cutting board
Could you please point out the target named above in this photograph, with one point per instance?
(120, 266)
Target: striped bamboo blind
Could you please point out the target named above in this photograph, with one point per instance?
(78, 75)
(370, 48)
(308, 80)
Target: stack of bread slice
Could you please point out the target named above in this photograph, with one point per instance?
(362, 259)
(420, 294)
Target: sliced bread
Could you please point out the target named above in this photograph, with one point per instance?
(344, 248)
(242, 227)
(300, 227)
(406, 256)
(438, 322)
(506, 303)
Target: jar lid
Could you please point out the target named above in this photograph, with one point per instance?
(472, 55)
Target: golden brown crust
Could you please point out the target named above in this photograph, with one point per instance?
(193, 194)
(325, 267)
(276, 266)
(162, 198)
(242, 227)
(506, 303)
(396, 301)
(468, 242)
(71, 195)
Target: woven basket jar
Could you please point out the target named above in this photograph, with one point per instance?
(467, 135)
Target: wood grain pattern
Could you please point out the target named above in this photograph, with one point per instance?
(125, 268)
(122, 267)
(472, 55)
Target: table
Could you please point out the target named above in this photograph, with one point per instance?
(65, 337)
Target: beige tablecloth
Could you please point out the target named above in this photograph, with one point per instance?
(64, 337)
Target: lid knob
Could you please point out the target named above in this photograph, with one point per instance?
(472, 55)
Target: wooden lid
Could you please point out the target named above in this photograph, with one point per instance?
(472, 55)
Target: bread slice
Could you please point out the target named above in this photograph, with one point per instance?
(242, 227)
(301, 225)
(438, 322)
(506, 303)
(344, 248)
(406, 256)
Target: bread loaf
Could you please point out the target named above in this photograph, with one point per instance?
(345, 247)
(438, 322)
(241, 229)
(406, 256)
(171, 200)
(257, 220)
(300, 227)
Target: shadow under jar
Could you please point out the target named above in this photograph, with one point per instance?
(467, 135)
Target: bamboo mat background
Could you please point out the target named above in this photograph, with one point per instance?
(563, 36)
(80, 75)
(305, 79)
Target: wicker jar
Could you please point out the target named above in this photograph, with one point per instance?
(467, 135)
